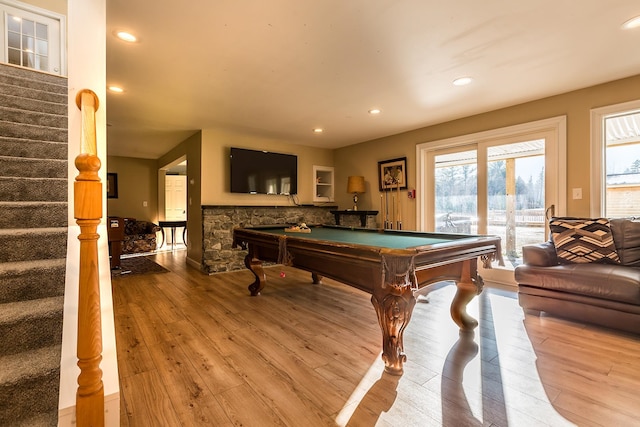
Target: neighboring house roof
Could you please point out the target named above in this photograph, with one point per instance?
(623, 179)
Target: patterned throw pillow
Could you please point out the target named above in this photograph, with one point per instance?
(582, 240)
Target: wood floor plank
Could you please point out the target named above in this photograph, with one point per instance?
(133, 355)
(193, 348)
(236, 403)
(146, 401)
(274, 387)
(193, 402)
(315, 388)
(212, 366)
(283, 331)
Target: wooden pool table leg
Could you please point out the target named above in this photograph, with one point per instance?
(394, 306)
(255, 265)
(467, 289)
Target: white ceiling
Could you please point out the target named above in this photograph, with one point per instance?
(281, 68)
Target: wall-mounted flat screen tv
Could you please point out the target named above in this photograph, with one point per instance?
(263, 172)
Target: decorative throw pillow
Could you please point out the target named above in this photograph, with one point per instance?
(582, 240)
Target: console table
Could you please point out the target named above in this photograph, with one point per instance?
(362, 214)
(173, 225)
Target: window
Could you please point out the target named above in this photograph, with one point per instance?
(28, 43)
(32, 37)
(616, 161)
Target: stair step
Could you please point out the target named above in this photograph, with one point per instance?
(33, 189)
(33, 214)
(33, 149)
(32, 244)
(27, 280)
(29, 387)
(30, 84)
(35, 324)
(13, 72)
(29, 104)
(33, 118)
(32, 168)
(33, 93)
(42, 133)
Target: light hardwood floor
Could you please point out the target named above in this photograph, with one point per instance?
(196, 350)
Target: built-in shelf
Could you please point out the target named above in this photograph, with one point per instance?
(323, 184)
(361, 214)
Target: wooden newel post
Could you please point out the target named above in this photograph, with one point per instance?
(88, 213)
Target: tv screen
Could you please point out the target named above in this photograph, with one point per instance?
(263, 172)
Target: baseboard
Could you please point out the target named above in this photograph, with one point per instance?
(193, 263)
(67, 416)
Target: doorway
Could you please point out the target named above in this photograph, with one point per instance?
(505, 182)
(175, 190)
(32, 37)
(173, 197)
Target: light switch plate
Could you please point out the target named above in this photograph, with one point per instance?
(577, 193)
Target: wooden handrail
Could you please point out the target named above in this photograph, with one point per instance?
(88, 213)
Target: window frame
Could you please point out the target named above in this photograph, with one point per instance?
(598, 147)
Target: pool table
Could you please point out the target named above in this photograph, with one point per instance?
(388, 264)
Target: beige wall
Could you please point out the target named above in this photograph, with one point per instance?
(363, 158)
(215, 168)
(191, 149)
(137, 183)
(57, 6)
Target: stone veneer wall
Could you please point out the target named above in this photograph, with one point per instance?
(218, 223)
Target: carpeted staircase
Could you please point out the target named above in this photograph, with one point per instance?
(33, 243)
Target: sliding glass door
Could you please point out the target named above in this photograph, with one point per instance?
(506, 184)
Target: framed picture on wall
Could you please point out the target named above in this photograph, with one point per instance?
(112, 186)
(392, 174)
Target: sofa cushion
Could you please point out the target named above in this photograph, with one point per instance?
(612, 282)
(626, 236)
(583, 240)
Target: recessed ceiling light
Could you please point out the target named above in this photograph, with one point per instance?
(375, 111)
(115, 89)
(631, 23)
(128, 37)
(462, 81)
(318, 130)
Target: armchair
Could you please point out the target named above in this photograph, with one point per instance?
(139, 236)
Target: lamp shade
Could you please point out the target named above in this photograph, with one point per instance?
(355, 184)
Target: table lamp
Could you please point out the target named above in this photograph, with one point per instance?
(355, 185)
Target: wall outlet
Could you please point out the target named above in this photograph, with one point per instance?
(145, 204)
(577, 193)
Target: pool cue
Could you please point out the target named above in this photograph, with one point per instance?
(393, 209)
(381, 211)
(399, 222)
(386, 206)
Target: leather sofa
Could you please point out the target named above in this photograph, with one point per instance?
(606, 294)
(139, 236)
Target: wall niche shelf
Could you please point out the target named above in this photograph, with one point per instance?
(323, 183)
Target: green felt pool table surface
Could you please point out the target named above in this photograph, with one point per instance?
(370, 237)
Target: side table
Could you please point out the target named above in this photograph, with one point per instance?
(173, 225)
